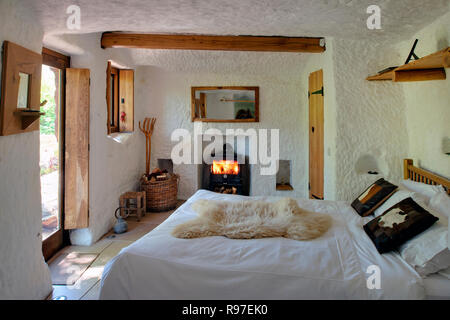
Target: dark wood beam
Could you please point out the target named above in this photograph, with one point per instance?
(209, 42)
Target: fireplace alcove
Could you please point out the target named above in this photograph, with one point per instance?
(225, 174)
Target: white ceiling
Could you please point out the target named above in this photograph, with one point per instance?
(329, 18)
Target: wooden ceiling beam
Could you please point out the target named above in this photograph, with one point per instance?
(210, 42)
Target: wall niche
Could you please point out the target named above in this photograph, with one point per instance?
(283, 178)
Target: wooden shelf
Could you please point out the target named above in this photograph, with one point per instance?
(381, 77)
(440, 59)
(28, 117)
(284, 187)
(431, 67)
(419, 75)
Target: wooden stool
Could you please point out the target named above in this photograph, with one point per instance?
(133, 202)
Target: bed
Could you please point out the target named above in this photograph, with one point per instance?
(337, 265)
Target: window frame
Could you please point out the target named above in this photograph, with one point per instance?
(60, 238)
(118, 97)
(112, 98)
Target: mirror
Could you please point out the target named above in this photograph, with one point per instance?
(24, 83)
(225, 104)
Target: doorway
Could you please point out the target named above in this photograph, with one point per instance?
(51, 161)
(316, 136)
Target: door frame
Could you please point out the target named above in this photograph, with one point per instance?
(60, 238)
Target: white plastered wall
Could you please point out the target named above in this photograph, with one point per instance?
(325, 62)
(164, 91)
(23, 272)
(361, 118)
(427, 102)
(370, 116)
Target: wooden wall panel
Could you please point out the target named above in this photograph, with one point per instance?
(126, 99)
(77, 149)
(316, 135)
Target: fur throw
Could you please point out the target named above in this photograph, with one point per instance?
(252, 220)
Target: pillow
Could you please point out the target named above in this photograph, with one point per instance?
(445, 273)
(373, 197)
(398, 224)
(428, 251)
(424, 189)
(441, 203)
(398, 196)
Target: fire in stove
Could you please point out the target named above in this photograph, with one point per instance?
(225, 167)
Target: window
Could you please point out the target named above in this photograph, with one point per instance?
(120, 99)
(114, 98)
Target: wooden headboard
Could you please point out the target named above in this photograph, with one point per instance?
(420, 175)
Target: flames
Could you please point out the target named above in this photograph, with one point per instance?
(225, 167)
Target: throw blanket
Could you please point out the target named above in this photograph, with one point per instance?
(253, 219)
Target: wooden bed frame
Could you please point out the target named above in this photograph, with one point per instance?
(420, 175)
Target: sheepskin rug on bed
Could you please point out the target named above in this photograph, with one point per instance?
(253, 219)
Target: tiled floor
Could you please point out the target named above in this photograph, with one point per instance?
(87, 286)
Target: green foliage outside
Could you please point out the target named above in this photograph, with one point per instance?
(47, 121)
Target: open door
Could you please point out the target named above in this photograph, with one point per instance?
(76, 202)
(51, 140)
(316, 130)
(126, 94)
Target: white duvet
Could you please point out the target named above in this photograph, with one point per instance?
(334, 266)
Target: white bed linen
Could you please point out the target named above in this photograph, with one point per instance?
(160, 266)
(437, 287)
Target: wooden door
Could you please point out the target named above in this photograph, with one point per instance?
(58, 63)
(126, 93)
(76, 202)
(316, 137)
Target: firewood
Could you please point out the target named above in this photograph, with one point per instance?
(156, 170)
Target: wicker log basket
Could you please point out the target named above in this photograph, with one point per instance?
(161, 194)
(161, 187)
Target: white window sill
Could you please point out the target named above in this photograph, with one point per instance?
(120, 137)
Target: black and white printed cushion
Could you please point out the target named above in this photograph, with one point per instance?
(398, 224)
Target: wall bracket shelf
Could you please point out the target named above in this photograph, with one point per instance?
(20, 98)
(28, 117)
(284, 187)
(431, 67)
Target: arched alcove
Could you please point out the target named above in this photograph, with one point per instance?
(368, 164)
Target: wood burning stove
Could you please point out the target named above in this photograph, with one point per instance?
(226, 175)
